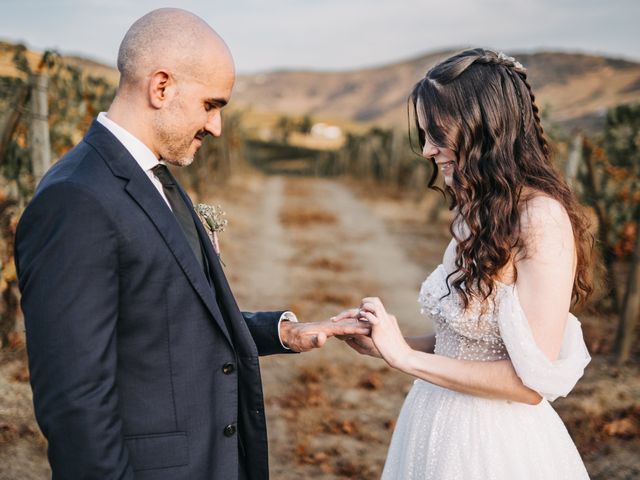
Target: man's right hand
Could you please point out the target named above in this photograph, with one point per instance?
(305, 336)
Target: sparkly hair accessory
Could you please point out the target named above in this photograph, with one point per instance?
(516, 64)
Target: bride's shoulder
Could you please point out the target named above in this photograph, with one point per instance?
(541, 211)
(545, 225)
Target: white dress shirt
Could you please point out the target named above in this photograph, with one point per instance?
(142, 154)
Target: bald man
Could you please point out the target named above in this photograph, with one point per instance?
(142, 365)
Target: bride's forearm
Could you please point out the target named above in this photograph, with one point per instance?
(492, 379)
(425, 343)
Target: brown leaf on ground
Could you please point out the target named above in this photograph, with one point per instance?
(349, 427)
(352, 470)
(309, 375)
(371, 381)
(626, 427)
(309, 396)
(315, 397)
(8, 433)
(599, 335)
(304, 217)
(339, 427)
(327, 468)
(314, 458)
(21, 374)
(325, 263)
(16, 341)
(320, 457)
(301, 450)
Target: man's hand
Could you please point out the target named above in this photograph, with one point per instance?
(301, 337)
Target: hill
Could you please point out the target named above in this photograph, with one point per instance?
(89, 67)
(572, 89)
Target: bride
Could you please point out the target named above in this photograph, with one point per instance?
(505, 343)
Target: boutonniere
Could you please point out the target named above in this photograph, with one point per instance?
(212, 218)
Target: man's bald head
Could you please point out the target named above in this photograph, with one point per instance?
(172, 39)
(176, 76)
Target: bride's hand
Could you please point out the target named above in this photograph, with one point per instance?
(360, 343)
(385, 332)
(363, 345)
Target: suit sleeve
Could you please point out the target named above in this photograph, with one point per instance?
(67, 259)
(264, 330)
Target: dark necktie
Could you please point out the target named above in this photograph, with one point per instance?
(180, 209)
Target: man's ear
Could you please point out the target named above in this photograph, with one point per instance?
(161, 85)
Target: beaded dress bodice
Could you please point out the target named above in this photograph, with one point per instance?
(471, 334)
(443, 434)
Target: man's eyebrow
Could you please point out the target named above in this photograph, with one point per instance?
(218, 102)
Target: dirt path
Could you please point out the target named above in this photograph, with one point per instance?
(330, 412)
(315, 248)
(311, 229)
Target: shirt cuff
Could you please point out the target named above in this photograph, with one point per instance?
(286, 317)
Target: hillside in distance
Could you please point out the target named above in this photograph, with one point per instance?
(89, 67)
(571, 89)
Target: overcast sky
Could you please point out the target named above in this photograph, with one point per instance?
(338, 34)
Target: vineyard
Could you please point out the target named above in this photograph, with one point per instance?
(602, 167)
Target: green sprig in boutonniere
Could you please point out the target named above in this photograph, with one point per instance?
(212, 217)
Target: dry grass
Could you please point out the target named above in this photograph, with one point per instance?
(338, 410)
(300, 190)
(306, 216)
(330, 264)
(343, 300)
(332, 423)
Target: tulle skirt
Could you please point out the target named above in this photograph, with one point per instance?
(445, 435)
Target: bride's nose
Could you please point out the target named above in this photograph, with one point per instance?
(429, 150)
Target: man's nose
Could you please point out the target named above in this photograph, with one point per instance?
(214, 124)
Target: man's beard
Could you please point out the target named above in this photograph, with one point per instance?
(175, 146)
(177, 153)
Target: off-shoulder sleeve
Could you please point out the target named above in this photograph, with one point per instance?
(550, 379)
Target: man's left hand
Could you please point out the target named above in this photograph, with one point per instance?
(301, 337)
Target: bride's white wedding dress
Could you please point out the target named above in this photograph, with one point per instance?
(442, 434)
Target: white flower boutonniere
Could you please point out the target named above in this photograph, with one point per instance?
(212, 218)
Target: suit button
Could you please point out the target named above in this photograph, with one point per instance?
(228, 368)
(229, 430)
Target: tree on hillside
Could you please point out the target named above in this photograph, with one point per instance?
(285, 127)
(622, 144)
(305, 124)
(612, 187)
(73, 100)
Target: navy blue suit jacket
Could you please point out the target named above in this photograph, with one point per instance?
(139, 368)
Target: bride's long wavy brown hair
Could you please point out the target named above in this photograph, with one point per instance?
(480, 105)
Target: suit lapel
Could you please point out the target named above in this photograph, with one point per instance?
(225, 296)
(149, 199)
